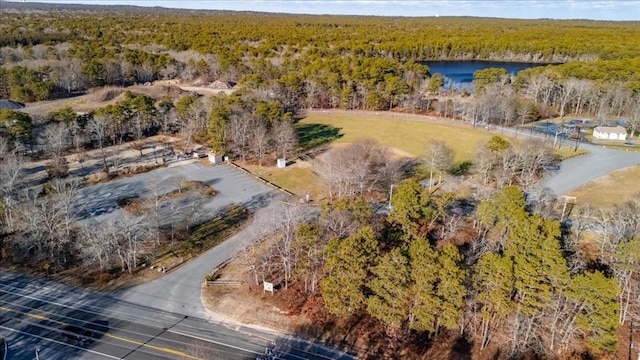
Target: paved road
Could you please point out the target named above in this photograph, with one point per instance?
(579, 170)
(180, 290)
(164, 319)
(34, 314)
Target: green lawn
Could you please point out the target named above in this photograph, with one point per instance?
(389, 129)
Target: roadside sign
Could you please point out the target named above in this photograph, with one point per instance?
(268, 286)
(46, 266)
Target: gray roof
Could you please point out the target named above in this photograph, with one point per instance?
(9, 104)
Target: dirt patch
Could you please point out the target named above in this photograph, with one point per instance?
(247, 303)
(99, 97)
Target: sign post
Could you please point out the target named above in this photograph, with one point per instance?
(268, 287)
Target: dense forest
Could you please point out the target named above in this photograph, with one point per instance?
(500, 267)
(502, 272)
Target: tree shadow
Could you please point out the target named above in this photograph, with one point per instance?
(461, 350)
(314, 135)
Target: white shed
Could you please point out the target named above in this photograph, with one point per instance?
(610, 133)
(215, 158)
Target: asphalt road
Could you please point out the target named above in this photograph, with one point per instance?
(179, 291)
(579, 170)
(35, 312)
(163, 319)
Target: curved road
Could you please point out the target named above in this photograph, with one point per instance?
(580, 170)
(163, 319)
(573, 173)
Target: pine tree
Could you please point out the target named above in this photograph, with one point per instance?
(424, 274)
(596, 299)
(450, 287)
(539, 268)
(390, 286)
(493, 283)
(347, 268)
(410, 207)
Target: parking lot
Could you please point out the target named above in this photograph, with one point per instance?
(100, 201)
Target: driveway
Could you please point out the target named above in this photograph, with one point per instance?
(579, 170)
(178, 291)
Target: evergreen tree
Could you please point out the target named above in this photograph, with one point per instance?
(390, 286)
(410, 207)
(493, 283)
(423, 316)
(595, 297)
(450, 288)
(347, 267)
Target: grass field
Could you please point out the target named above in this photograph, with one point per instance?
(609, 190)
(299, 180)
(404, 132)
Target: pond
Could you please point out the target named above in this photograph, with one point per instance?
(459, 74)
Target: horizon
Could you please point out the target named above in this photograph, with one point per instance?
(598, 10)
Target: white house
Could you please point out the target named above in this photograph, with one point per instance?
(610, 133)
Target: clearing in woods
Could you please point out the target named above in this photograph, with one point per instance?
(406, 132)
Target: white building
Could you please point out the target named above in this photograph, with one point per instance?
(610, 133)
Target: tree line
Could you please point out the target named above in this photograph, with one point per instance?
(504, 276)
(330, 61)
(499, 268)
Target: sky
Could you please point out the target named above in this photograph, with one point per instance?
(525, 9)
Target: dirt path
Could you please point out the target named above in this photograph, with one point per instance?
(99, 97)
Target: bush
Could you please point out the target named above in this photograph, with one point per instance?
(57, 170)
(460, 168)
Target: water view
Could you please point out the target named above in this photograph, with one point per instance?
(459, 74)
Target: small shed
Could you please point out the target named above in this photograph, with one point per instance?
(610, 133)
(282, 163)
(215, 158)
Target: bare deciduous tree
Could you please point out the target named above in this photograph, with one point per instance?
(260, 141)
(241, 128)
(98, 127)
(94, 246)
(69, 76)
(11, 165)
(56, 140)
(350, 170)
(285, 137)
(439, 157)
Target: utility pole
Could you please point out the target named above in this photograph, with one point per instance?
(390, 196)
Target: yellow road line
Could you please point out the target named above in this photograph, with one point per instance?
(112, 336)
(164, 349)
